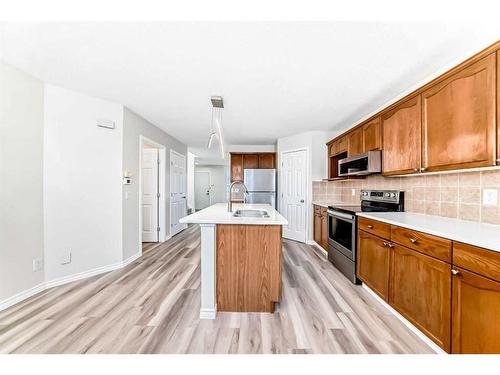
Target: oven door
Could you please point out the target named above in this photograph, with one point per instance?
(342, 233)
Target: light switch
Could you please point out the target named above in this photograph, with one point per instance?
(490, 197)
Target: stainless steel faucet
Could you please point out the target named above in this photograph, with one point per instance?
(230, 194)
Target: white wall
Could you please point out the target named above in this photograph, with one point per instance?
(219, 178)
(315, 143)
(190, 179)
(134, 126)
(21, 190)
(83, 182)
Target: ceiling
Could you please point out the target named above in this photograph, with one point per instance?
(277, 78)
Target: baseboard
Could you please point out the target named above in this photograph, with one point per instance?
(11, 301)
(405, 321)
(208, 313)
(21, 296)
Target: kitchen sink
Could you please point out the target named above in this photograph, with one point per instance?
(250, 213)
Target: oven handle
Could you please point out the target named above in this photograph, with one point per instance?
(341, 215)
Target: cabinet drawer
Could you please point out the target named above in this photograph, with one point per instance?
(476, 259)
(434, 246)
(375, 227)
(317, 210)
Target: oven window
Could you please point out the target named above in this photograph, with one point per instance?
(340, 231)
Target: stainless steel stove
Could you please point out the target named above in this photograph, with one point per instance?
(343, 226)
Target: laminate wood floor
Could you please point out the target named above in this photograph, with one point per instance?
(152, 306)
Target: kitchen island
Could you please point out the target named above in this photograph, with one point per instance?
(240, 258)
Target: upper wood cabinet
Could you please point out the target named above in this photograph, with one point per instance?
(250, 161)
(355, 142)
(498, 108)
(420, 289)
(266, 161)
(372, 135)
(236, 167)
(338, 146)
(475, 314)
(240, 162)
(458, 119)
(373, 263)
(401, 138)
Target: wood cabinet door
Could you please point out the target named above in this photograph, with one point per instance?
(420, 289)
(324, 231)
(266, 161)
(476, 314)
(250, 161)
(340, 145)
(498, 107)
(401, 138)
(236, 167)
(373, 263)
(355, 142)
(458, 119)
(317, 228)
(372, 135)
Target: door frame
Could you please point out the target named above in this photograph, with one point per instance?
(210, 183)
(308, 198)
(172, 151)
(162, 212)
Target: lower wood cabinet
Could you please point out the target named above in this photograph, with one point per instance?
(476, 314)
(455, 301)
(420, 289)
(248, 267)
(373, 263)
(320, 223)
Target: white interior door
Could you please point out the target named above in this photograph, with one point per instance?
(149, 173)
(201, 189)
(178, 205)
(294, 194)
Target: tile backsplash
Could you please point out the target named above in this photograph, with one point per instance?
(456, 195)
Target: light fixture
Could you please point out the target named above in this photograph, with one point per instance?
(216, 130)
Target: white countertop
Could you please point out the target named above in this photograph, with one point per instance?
(218, 214)
(326, 203)
(469, 232)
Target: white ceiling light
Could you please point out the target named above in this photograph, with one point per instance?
(216, 129)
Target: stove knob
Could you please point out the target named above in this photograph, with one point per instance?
(387, 194)
(393, 195)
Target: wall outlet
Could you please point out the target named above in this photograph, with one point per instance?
(353, 192)
(65, 257)
(490, 197)
(37, 264)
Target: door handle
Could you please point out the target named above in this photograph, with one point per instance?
(302, 201)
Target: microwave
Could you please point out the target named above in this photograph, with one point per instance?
(360, 165)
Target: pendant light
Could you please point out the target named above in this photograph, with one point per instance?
(216, 129)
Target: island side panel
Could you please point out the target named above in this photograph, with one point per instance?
(208, 308)
(248, 267)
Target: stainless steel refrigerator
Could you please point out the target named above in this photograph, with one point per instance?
(261, 186)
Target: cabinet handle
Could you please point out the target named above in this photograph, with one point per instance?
(413, 240)
(385, 243)
(455, 272)
(390, 245)
(415, 169)
(369, 226)
(423, 169)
